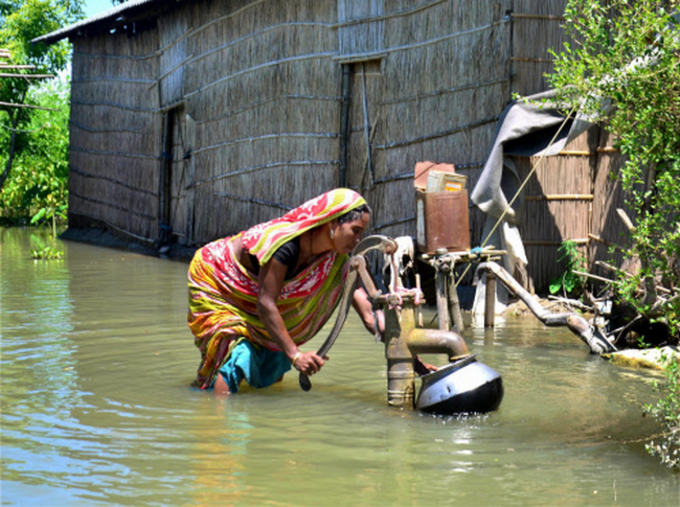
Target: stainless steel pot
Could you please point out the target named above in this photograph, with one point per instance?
(463, 386)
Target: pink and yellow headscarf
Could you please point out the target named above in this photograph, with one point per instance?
(264, 239)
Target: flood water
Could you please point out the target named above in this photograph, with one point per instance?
(97, 409)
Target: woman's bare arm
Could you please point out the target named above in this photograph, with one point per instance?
(271, 281)
(363, 306)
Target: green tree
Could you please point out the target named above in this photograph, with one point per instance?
(38, 183)
(626, 56)
(20, 22)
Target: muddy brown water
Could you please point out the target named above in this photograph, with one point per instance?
(97, 409)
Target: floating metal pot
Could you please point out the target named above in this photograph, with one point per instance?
(463, 386)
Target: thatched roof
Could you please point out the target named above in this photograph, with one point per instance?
(132, 11)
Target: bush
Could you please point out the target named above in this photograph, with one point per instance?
(38, 181)
(667, 412)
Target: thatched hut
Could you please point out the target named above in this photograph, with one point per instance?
(194, 120)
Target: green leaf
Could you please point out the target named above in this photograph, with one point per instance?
(39, 215)
(555, 285)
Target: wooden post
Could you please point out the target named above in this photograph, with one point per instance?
(419, 311)
(344, 124)
(454, 303)
(490, 306)
(164, 194)
(442, 301)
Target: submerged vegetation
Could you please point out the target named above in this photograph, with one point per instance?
(45, 252)
(623, 69)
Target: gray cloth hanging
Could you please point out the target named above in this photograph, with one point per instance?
(525, 128)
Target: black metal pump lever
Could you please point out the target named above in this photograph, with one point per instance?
(357, 267)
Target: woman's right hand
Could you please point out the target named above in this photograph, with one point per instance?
(308, 363)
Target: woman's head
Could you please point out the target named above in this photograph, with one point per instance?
(322, 212)
(346, 230)
(354, 214)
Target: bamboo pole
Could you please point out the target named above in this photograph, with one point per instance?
(595, 277)
(100, 202)
(578, 241)
(392, 15)
(255, 68)
(609, 267)
(133, 188)
(550, 17)
(344, 123)
(577, 153)
(26, 76)
(163, 76)
(531, 60)
(436, 135)
(277, 136)
(560, 197)
(571, 302)
(4, 66)
(27, 106)
(370, 55)
(490, 300)
(445, 91)
(252, 169)
(626, 220)
(597, 238)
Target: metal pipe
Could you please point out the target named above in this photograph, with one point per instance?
(400, 370)
(436, 341)
(403, 341)
(442, 300)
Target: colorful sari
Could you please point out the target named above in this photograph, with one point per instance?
(223, 293)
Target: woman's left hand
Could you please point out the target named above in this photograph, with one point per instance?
(309, 363)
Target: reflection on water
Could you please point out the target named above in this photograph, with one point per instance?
(97, 409)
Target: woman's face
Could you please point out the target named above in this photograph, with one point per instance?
(347, 235)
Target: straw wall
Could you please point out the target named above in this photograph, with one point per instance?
(172, 28)
(431, 90)
(114, 134)
(264, 92)
(558, 206)
(263, 82)
(536, 28)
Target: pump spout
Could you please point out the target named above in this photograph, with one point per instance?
(436, 341)
(464, 385)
